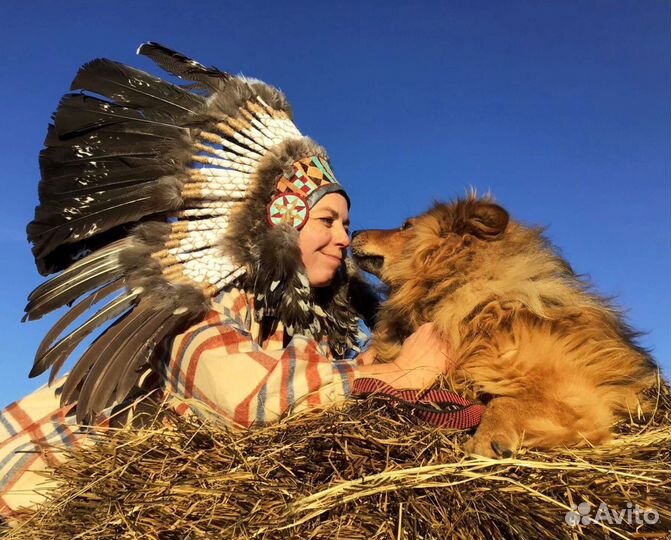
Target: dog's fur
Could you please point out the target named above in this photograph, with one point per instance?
(555, 362)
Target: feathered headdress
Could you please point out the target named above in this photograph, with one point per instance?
(156, 197)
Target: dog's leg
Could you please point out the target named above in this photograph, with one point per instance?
(500, 430)
(540, 422)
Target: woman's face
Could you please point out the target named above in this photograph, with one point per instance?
(324, 239)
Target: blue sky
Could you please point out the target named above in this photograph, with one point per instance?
(561, 109)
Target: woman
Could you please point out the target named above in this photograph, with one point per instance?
(221, 230)
(252, 380)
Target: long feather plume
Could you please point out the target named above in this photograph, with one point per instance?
(66, 287)
(140, 348)
(56, 354)
(123, 359)
(66, 320)
(134, 88)
(101, 379)
(184, 67)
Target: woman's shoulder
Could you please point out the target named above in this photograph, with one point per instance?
(236, 305)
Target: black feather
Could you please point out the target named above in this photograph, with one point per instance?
(135, 88)
(83, 266)
(81, 183)
(117, 159)
(78, 114)
(57, 354)
(183, 67)
(111, 149)
(106, 364)
(142, 346)
(63, 257)
(98, 175)
(72, 220)
(65, 321)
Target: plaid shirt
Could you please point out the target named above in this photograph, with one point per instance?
(218, 361)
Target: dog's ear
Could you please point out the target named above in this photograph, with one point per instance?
(487, 220)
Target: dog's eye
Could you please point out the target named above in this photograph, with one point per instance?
(407, 225)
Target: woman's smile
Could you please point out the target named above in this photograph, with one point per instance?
(337, 259)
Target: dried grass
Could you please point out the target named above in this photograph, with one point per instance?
(365, 471)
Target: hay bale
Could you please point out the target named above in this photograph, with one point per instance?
(365, 471)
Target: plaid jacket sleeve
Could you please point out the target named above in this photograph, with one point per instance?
(220, 363)
(31, 431)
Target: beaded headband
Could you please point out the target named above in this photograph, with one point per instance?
(312, 179)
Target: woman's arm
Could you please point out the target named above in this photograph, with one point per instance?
(219, 363)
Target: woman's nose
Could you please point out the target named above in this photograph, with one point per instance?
(342, 236)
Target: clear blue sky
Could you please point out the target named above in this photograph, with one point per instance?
(561, 109)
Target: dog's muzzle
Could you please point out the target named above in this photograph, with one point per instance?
(368, 262)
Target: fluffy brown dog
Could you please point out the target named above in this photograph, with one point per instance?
(555, 362)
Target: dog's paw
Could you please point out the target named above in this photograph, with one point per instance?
(490, 446)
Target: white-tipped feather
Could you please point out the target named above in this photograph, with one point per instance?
(210, 224)
(224, 163)
(230, 145)
(219, 176)
(227, 156)
(303, 279)
(226, 194)
(189, 256)
(194, 268)
(242, 139)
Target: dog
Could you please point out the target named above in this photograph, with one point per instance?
(555, 362)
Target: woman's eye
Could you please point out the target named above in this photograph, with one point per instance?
(326, 221)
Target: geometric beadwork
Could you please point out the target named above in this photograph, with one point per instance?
(290, 205)
(289, 208)
(310, 174)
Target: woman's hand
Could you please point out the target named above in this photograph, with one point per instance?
(424, 356)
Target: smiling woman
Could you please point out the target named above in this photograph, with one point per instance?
(324, 239)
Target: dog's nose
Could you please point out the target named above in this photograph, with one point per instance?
(354, 234)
